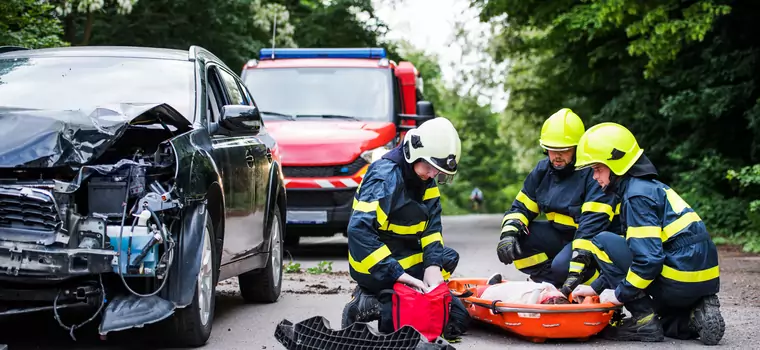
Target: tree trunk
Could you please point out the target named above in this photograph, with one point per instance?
(87, 29)
(69, 30)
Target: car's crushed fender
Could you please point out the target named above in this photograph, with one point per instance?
(183, 274)
(129, 311)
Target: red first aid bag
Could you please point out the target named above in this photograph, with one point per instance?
(428, 313)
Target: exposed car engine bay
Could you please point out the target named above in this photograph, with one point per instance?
(78, 234)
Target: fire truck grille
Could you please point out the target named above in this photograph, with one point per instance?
(325, 171)
(320, 199)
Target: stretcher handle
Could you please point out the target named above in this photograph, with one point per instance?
(502, 309)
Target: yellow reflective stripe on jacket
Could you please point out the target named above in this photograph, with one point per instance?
(431, 193)
(592, 279)
(529, 203)
(411, 260)
(415, 259)
(617, 209)
(531, 261)
(561, 219)
(436, 237)
(679, 224)
(636, 281)
(518, 216)
(587, 245)
(690, 276)
(676, 202)
(643, 232)
(576, 266)
(403, 229)
(664, 234)
(371, 260)
(597, 207)
(368, 207)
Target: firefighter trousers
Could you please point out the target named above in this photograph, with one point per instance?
(673, 306)
(545, 254)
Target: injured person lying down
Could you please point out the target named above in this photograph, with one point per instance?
(522, 292)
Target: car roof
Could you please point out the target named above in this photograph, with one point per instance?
(101, 51)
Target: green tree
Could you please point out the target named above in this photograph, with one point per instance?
(680, 75)
(29, 23)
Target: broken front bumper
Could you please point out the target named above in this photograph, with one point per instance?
(20, 260)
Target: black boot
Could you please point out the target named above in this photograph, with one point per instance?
(363, 307)
(643, 325)
(495, 279)
(707, 321)
(459, 321)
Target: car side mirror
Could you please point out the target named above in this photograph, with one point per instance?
(425, 109)
(240, 119)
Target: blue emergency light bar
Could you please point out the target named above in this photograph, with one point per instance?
(376, 52)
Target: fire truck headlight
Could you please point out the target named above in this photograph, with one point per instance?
(374, 154)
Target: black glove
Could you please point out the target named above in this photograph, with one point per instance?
(509, 248)
(575, 278)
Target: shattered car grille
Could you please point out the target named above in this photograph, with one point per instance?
(28, 209)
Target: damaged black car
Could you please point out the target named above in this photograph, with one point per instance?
(132, 180)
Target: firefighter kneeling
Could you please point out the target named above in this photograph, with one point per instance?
(665, 271)
(394, 234)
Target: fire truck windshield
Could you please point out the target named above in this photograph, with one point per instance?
(333, 93)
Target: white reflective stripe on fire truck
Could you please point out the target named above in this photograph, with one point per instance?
(349, 182)
(324, 183)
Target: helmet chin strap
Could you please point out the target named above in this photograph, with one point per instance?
(612, 185)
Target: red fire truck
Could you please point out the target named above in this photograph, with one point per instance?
(333, 112)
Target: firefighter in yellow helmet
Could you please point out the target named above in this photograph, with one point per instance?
(557, 250)
(665, 271)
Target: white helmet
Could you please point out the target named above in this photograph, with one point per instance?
(437, 142)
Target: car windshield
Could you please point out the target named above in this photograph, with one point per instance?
(334, 93)
(70, 83)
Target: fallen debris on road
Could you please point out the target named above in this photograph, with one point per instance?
(315, 333)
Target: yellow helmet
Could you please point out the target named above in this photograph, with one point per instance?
(610, 144)
(561, 131)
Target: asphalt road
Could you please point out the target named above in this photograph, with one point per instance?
(246, 326)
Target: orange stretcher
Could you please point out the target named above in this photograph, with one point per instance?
(535, 322)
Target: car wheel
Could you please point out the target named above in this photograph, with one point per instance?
(265, 285)
(192, 324)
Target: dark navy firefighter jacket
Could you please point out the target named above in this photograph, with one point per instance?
(671, 247)
(395, 225)
(573, 202)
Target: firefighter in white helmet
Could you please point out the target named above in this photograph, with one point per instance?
(395, 233)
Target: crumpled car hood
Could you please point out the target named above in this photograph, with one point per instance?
(34, 138)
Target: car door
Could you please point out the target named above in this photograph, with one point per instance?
(223, 150)
(262, 152)
(244, 234)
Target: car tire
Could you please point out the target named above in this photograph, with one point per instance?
(191, 326)
(265, 285)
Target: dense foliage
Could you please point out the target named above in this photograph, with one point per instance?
(682, 75)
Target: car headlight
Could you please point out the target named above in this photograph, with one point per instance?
(374, 154)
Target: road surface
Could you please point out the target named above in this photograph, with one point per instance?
(245, 327)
